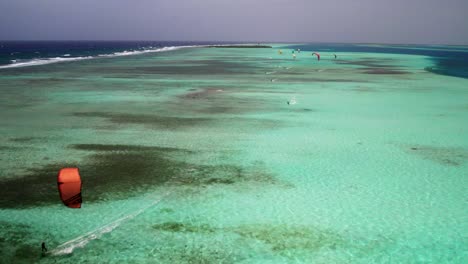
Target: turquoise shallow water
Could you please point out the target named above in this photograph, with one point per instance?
(194, 156)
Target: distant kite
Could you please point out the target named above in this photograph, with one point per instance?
(69, 186)
(316, 54)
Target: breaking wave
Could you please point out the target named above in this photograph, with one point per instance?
(67, 58)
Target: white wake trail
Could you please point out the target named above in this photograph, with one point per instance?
(81, 241)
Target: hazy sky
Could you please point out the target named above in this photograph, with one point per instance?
(377, 21)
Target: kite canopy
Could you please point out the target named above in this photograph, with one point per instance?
(316, 54)
(69, 185)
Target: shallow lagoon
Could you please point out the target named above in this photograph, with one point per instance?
(194, 156)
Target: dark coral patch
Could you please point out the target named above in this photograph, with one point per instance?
(183, 227)
(367, 62)
(303, 79)
(240, 46)
(25, 139)
(449, 156)
(221, 101)
(196, 67)
(38, 186)
(19, 243)
(121, 171)
(201, 94)
(280, 238)
(384, 71)
(163, 122)
(7, 148)
(283, 238)
(107, 147)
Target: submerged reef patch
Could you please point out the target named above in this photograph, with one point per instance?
(7, 148)
(124, 148)
(274, 240)
(184, 228)
(172, 123)
(19, 243)
(25, 139)
(163, 122)
(246, 46)
(196, 94)
(448, 156)
(37, 187)
(195, 67)
(45, 81)
(195, 252)
(384, 71)
(304, 79)
(121, 171)
(367, 62)
(282, 238)
(279, 238)
(227, 100)
(375, 66)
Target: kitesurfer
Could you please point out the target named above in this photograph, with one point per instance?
(292, 101)
(44, 249)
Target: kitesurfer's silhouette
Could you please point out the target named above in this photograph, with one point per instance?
(44, 249)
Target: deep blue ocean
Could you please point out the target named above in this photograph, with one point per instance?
(448, 60)
(29, 53)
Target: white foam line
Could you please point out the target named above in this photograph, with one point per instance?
(36, 62)
(43, 61)
(81, 241)
(136, 52)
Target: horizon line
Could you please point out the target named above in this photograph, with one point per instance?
(223, 41)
